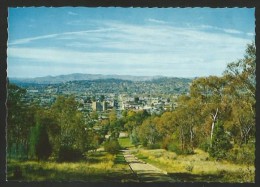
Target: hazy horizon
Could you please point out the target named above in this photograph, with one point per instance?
(174, 42)
(98, 74)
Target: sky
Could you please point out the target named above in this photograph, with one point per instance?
(175, 42)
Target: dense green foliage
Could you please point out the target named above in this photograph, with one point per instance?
(40, 146)
(112, 146)
(220, 142)
(69, 154)
(20, 119)
(37, 133)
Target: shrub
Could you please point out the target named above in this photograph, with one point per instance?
(154, 146)
(165, 143)
(68, 154)
(220, 142)
(242, 155)
(188, 151)
(204, 146)
(174, 148)
(112, 146)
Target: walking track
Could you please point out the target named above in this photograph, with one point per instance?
(145, 172)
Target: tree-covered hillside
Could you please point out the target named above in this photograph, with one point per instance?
(215, 114)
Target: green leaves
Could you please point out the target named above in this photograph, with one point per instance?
(40, 146)
(219, 110)
(19, 120)
(220, 142)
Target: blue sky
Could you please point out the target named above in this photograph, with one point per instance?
(177, 42)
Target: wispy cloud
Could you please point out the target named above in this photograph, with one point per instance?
(108, 63)
(28, 40)
(226, 30)
(72, 13)
(156, 21)
(64, 35)
(232, 31)
(121, 48)
(250, 34)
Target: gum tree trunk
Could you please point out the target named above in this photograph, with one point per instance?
(214, 119)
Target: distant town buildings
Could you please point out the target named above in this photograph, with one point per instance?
(104, 96)
(99, 106)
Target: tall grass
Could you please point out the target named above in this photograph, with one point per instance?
(102, 169)
(194, 167)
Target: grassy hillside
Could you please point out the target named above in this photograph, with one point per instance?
(197, 167)
(98, 167)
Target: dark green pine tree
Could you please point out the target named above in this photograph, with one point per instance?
(220, 142)
(40, 146)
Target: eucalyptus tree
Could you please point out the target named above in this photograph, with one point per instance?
(148, 132)
(241, 88)
(73, 131)
(210, 92)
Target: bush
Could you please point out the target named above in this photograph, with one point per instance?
(188, 151)
(242, 155)
(154, 146)
(165, 143)
(112, 146)
(174, 148)
(204, 146)
(68, 154)
(220, 142)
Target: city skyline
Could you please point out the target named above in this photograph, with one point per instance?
(172, 42)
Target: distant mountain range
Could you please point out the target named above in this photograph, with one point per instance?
(79, 76)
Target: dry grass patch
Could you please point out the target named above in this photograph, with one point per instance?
(101, 169)
(198, 164)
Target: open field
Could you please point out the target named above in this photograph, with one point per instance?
(98, 167)
(197, 167)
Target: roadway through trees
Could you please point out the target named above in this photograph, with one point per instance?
(145, 172)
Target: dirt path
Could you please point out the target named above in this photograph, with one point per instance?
(145, 172)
